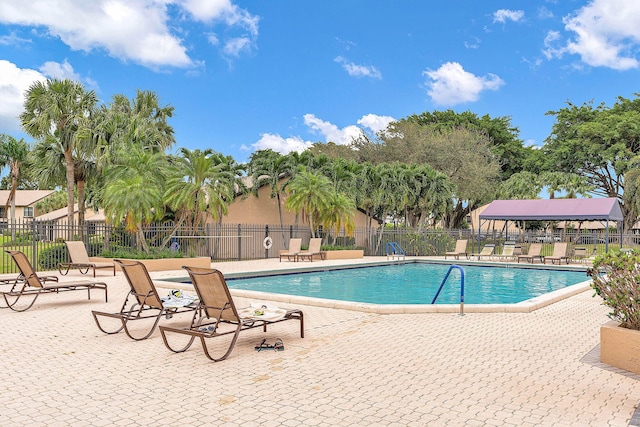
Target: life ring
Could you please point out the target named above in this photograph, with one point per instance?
(267, 242)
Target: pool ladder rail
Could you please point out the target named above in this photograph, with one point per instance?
(394, 250)
(446, 276)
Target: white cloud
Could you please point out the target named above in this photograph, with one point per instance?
(329, 132)
(544, 13)
(355, 70)
(234, 47)
(502, 15)
(475, 44)
(136, 30)
(451, 84)
(607, 34)
(59, 71)
(14, 82)
(13, 39)
(222, 10)
(375, 123)
(550, 48)
(279, 144)
(234, 17)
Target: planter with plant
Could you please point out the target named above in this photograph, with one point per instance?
(616, 278)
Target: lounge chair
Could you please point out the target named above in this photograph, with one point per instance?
(30, 285)
(579, 254)
(508, 250)
(295, 246)
(314, 249)
(559, 254)
(487, 251)
(145, 303)
(461, 249)
(533, 253)
(80, 260)
(218, 315)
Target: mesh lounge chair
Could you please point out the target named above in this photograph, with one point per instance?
(29, 285)
(461, 249)
(294, 248)
(314, 249)
(80, 260)
(486, 251)
(145, 303)
(218, 315)
(507, 251)
(559, 254)
(534, 252)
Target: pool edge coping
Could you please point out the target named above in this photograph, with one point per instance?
(521, 307)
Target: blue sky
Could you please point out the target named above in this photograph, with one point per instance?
(248, 75)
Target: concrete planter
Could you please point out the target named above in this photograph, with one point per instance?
(166, 264)
(345, 254)
(620, 347)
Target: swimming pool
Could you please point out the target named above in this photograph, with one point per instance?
(416, 283)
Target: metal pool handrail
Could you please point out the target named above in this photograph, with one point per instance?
(393, 249)
(446, 276)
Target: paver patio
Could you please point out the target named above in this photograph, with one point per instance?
(352, 368)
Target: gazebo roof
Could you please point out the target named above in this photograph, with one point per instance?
(554, 210)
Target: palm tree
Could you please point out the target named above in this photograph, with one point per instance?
(134, 191)
(48, 167)
(311, 194)
(340, 213)
(267, 167)
(13, 153)
(66, 107)
(202, 183)
(140, 121)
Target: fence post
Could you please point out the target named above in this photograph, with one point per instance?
(266, 234)
(239, 242)
(34, 240)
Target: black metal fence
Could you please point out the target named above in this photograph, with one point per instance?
(43, 242)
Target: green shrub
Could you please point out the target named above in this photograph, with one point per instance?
(616, 278)
(49, 258)
(338, 248)
(130, 253)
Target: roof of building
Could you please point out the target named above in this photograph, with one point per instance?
(554, 210)
(25, 197)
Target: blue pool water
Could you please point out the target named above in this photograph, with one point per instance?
(416, 283)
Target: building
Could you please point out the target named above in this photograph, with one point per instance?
(25, 202)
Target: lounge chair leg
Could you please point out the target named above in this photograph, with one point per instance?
(231, 346)
(98, 313)
(163, 332)
(13, 305)
(148, 334)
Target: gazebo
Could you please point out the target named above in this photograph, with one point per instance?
(602, 209)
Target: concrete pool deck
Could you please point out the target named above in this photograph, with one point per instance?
(352, 368)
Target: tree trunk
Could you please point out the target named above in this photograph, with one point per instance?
(12, 200)
(141, 241)
(284, 237)
(81, 208)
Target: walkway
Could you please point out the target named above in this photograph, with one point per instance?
(353, 368)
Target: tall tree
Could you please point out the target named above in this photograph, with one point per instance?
(310, 194)
(503, 136)
(266, 167)
(597, 143)
(65, 107)
(134, 191)
(13, 153)
(464, 155)
(340, 214)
